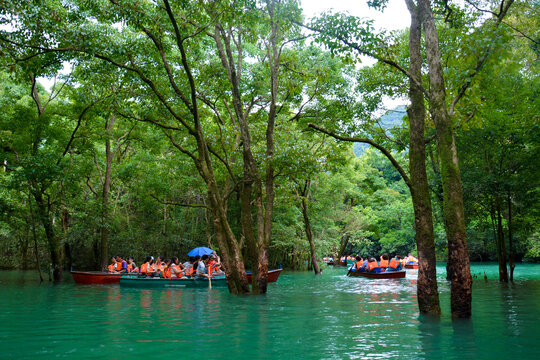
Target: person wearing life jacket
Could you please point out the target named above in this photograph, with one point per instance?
(201, 268)
(214, 265)
(165, 271)
(373, 266)
(357, 266)
(395, 264)
(412, 260)
(176, 269)
(158, 265)
(131, 266)
(384, 261)
(148, 267)
(121, 264)
(404, 260)
(112, 267)
(188, 267)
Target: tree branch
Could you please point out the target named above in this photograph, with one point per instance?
(374, 56)
(178, 204)
(370, 142)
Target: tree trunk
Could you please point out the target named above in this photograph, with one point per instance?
(510, 240)
(454, 218)
(52, 240)
(342, 247)
(307, 225)
(501, 246)
(24, 250)
(33, 225)
(104, 243)
(427, 291)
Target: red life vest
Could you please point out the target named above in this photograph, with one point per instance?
(394, 263)
(373, 265)
(384, 263)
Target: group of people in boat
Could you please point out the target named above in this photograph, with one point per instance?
(370, 264)
(196, 267)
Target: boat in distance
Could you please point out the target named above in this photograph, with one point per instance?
(273, 275)
(382, 275)
(95, 277)
(411, 266)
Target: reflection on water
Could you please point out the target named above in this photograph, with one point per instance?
(305, 317)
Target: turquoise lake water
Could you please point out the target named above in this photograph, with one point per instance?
(302, 317)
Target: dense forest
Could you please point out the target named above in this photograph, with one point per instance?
(152, 127)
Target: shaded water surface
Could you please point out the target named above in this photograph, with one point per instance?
(302, 317)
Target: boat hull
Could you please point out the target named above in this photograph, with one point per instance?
(150, 282)
(383, 275)
(411, 266)
(273, 275)
(95, 277)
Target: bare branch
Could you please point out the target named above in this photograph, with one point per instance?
(178, 204)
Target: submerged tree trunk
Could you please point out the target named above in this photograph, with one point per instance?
(52, 239)
(303, 199)
(427, 291)
(511, 259)
(454, 217)
(34, 235)
(501, 246)
(104, 229)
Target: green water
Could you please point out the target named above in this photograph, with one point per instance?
(301, 317)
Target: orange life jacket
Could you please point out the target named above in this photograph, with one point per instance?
(384, 263)
(146, 269)
(358, 265)
(373, 265)
(119, 265)
(394, 263)
(212, 266)
(129, 268)
(111, 268)
(189, 271)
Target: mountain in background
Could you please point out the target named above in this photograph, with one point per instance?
(391, 119)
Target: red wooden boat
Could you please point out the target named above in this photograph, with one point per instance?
(272, 275)
(411, 266)
(383, 275)
(95, 277)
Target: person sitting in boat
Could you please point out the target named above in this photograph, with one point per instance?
(131, 266)
(112, 267)
(358, 265)
(188, 267)
(214, 265)
(175, 269)
(201, 268)
(121, 264)
(159, 265)
(373, 266)
(395, 264)
(411, 260)
(384, 261)
(148, 267)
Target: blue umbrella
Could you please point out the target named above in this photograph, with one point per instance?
(203, 250)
